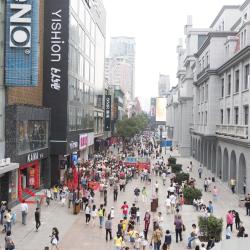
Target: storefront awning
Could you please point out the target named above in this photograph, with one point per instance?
(8, 168)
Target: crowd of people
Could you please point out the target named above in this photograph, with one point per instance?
(107, 176)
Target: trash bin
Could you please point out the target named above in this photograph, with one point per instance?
(154, 205)
(76, 207)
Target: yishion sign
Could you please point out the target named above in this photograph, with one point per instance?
(22, 42)
(56, 36)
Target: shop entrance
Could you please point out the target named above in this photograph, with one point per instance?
(28, 179)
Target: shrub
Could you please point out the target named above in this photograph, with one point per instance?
(180, 177)
(171, 161)
(191, 193)
(210, 227)
(176, 168)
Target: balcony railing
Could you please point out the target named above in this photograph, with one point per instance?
(232, 130)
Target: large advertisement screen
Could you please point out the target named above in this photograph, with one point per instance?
(107, 112)
(56, 36)
(161, 104)
(22, 43)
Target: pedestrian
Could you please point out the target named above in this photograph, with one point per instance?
(70, 198)
(105, 197)
(233, 184)
(168, 204)
(167, 241)
(156, 238)
(55, 192)
(237, 219)
(210, 207)
(206, 185)
(93, 214)
(178, 228)
(228, 232)
(87, 214)
(211, 243)
(193, 236)
(112, 213)
(138, 216)
(215, 193)
(108, 228)
(136, 194)
(137, 243)
(124, 208)
(200, 170)
(115, 192)
(54, 238)
(118, 242)
(101, 214)
(3, 208)
(8, 220)
(24, 210)
(230, 219)
(247, 204)
(156, 187)
(9, 243)
(48, 196)
(144, 194)
(203, 246)
(37, 219)
(147, 217)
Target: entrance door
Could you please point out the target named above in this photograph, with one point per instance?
(4, 187)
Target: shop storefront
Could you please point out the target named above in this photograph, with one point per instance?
(8, 181)
(27, 136)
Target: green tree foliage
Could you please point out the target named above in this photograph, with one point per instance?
(210, 227)
(129, 127)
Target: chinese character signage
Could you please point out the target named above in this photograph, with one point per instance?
(83, 141)
(22, 43)
(107, 120)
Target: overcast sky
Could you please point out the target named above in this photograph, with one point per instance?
(157, 26)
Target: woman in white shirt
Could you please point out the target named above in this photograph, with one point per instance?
(94, 215)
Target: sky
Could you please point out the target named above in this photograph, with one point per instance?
(157, 26)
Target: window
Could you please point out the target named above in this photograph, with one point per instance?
(81, 11)
(87, 46)
(201, 118)
(237, 81)
(206, 92)
(246, 114)
(228, 116)
(229, 85)
(87, 73)
(207, 59)
(245, 37)
(222, 87)
(221, 116)
(245, 16)
(205, 117)
(246, 76)
(236, 115)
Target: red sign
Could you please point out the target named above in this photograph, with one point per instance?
(83, 141)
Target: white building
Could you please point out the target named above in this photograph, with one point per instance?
(124, 47)
(218, 76)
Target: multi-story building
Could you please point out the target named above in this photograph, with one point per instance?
(220, 81)
(74, 74)
(163, 85)
(26, 120)
(124, 48)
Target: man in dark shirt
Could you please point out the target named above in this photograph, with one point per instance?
(37, 219)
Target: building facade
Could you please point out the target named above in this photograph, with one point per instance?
(220, 78)
(26, 120)
(74, 73)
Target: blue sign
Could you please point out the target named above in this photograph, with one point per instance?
(131, 159)
(22, 43)
(166, 143)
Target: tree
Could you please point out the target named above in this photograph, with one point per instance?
(129, 127)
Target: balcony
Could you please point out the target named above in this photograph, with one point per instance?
(232, 130)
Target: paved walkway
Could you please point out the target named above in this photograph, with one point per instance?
(76, 235)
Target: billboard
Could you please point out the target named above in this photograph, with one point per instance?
(161, 104)
(22, 43)
(56, 37)
(107, 120)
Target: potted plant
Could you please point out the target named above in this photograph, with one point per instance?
(176, 168)
(191, 193)
(171, 161)
(210, 227)
(181, 177)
